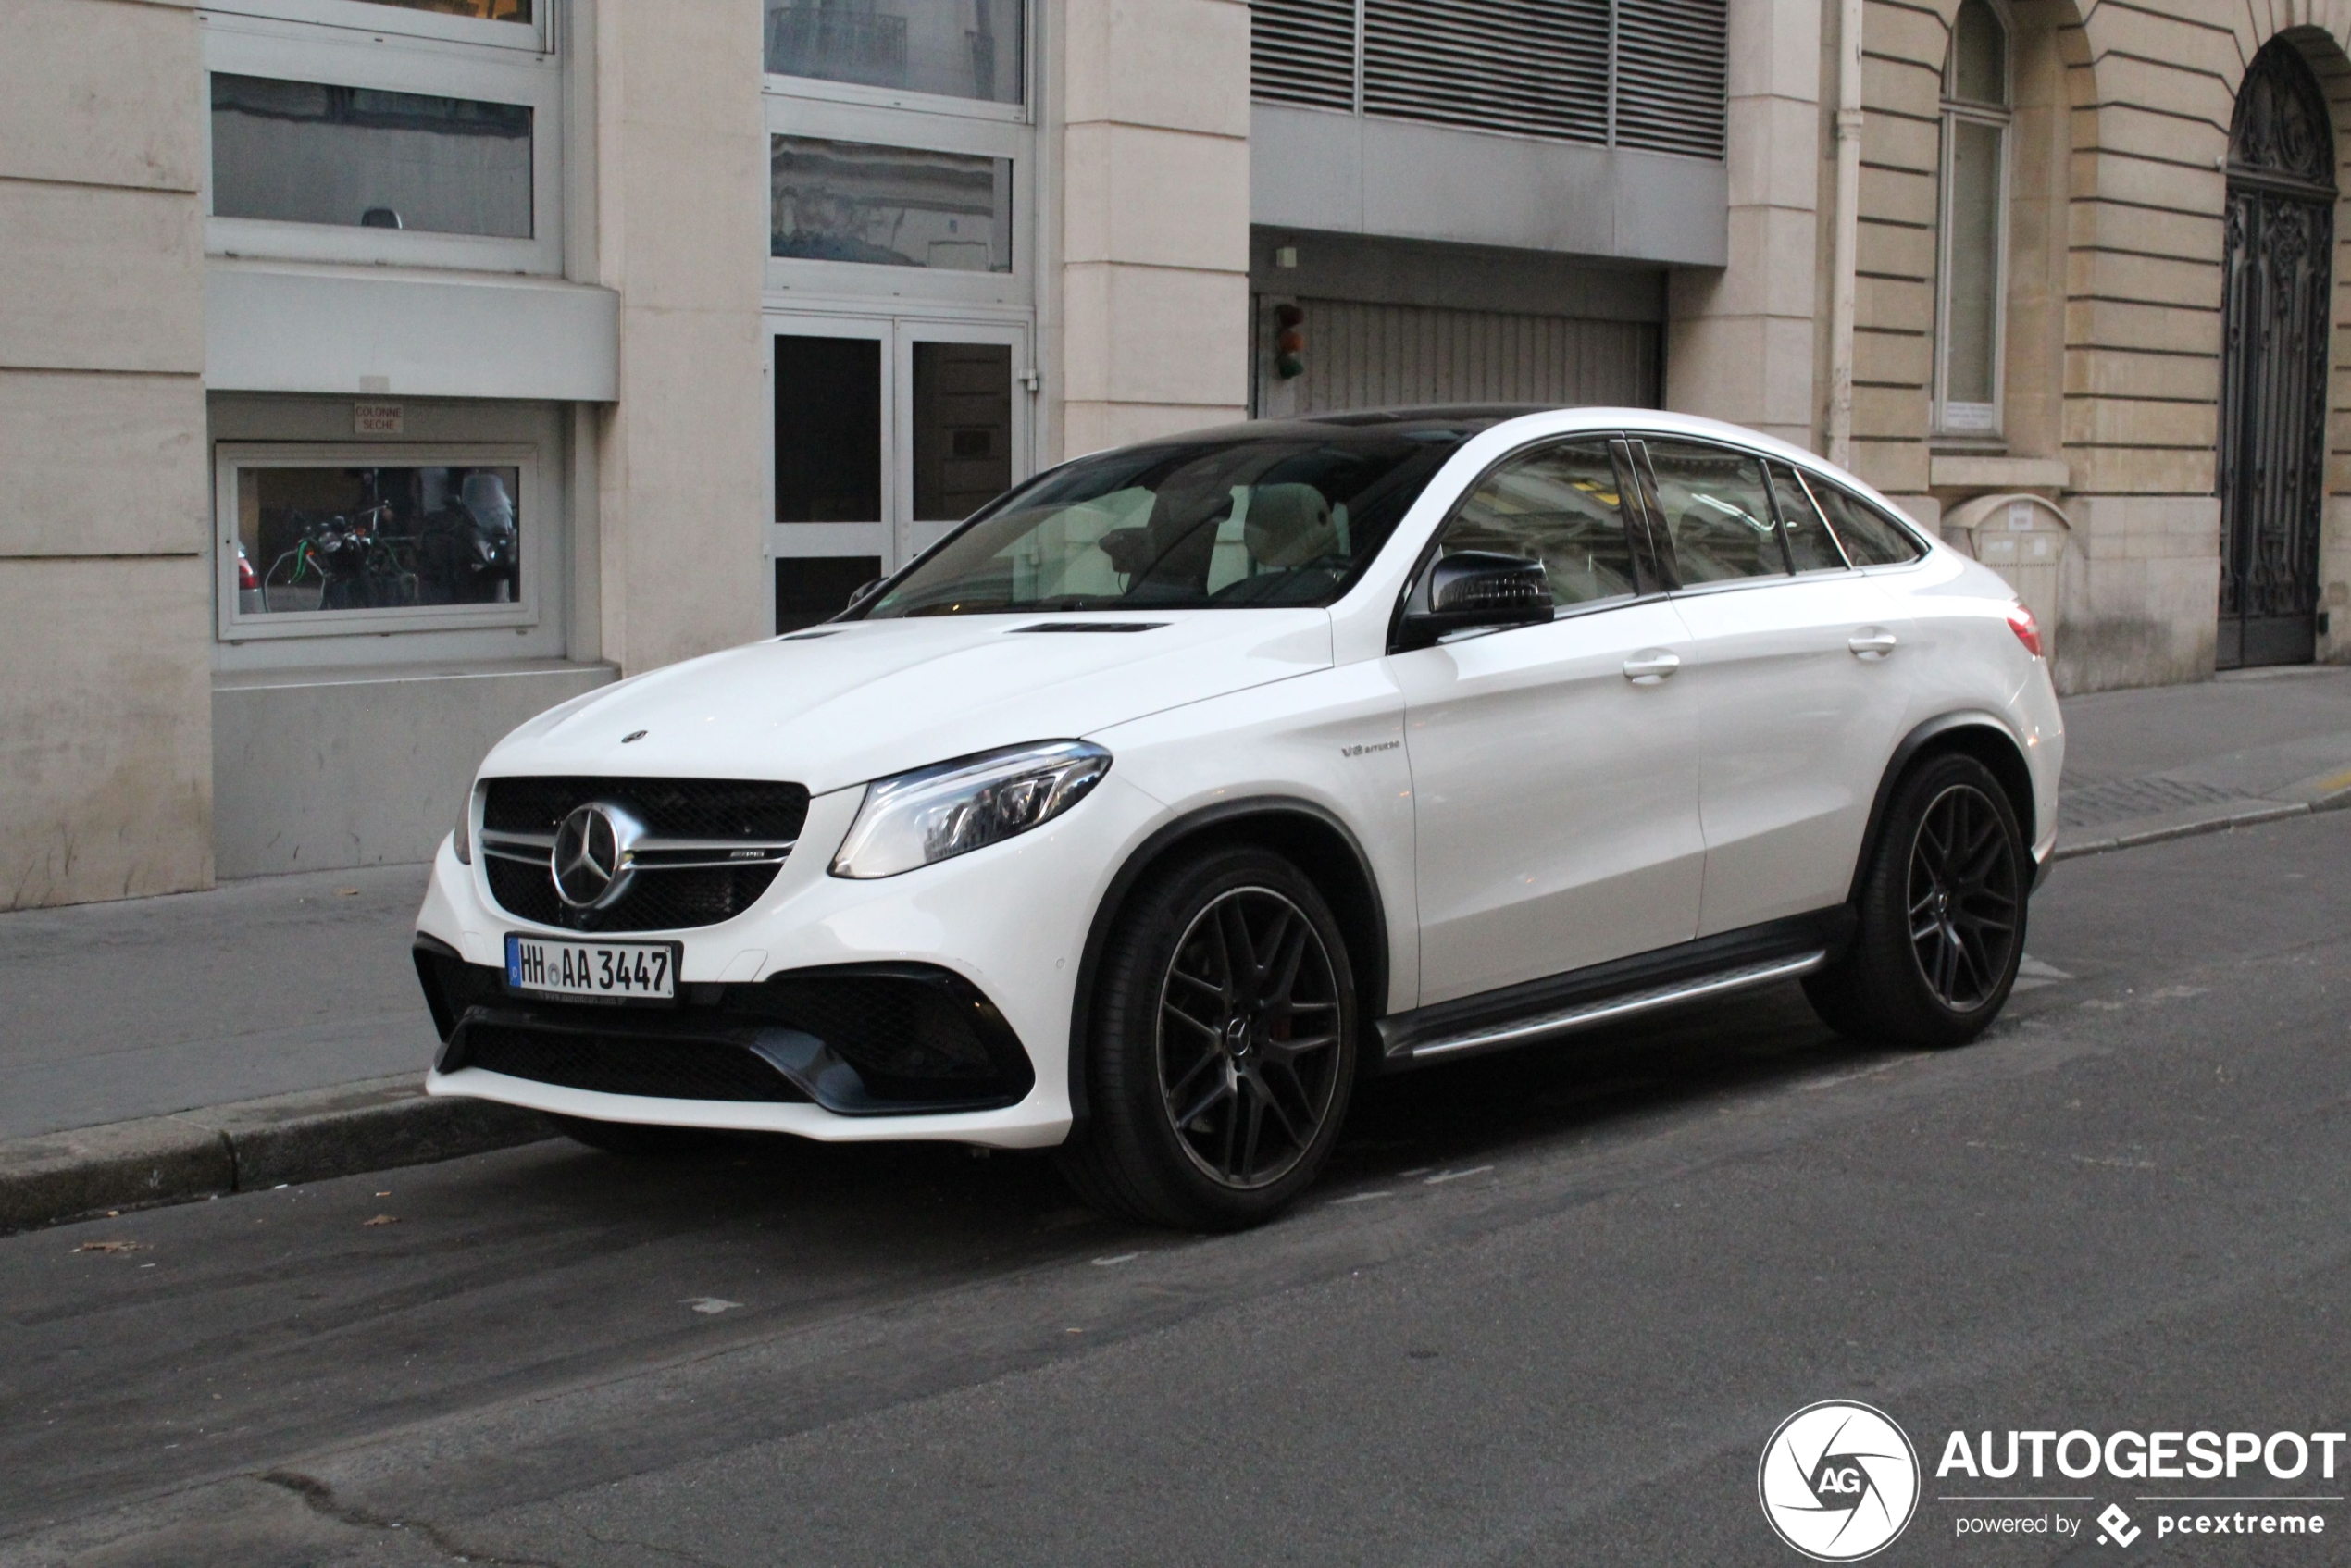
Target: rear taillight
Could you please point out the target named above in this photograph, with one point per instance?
(245, 579)
(2027, 630)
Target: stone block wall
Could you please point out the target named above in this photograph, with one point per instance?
(105, 763)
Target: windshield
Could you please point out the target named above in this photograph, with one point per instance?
(1278, 518)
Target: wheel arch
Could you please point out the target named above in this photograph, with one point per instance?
(1976, 735)
(1314, 838)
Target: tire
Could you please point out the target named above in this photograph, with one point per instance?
(1940, 921)
(637, 1140)
(1222, 1051)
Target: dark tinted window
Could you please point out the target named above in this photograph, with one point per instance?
(1559, 506)
(829, 429)
(1809, 544)
(1282, 517)
(1870, 536)
(1715, 512)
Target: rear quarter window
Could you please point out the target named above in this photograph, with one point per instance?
(1870, 536)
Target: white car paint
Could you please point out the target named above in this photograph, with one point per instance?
(1514, 829)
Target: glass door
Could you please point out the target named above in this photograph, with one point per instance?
(833, 488)
(887, 432)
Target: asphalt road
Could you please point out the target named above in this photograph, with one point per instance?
(1544, 1310)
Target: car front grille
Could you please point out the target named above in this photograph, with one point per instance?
(520, 818)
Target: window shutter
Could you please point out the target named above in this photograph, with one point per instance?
(1303, 52)
(1673, 64)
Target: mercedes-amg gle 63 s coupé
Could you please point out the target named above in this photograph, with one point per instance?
(1186, 785)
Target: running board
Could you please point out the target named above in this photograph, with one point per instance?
(1609, 1010)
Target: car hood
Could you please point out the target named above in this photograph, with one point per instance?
(841, 704)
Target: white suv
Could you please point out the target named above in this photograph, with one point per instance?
(1188, 784)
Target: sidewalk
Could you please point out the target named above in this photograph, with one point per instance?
(2167, 760)
(290, 1001)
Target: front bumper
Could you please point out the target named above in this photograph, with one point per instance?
(783, 1022)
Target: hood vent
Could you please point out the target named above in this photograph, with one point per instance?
(1088, 626)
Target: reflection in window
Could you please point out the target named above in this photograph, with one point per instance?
(318, 539)
(1715, 512)
(1559, 506)
(305, 151)
(1214, 523)
(1811, 546)
(956, 48)
(488, 10)
(1975, 121)
(1870, 539)
(894, 206)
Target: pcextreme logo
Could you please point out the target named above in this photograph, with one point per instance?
(1839, 1481)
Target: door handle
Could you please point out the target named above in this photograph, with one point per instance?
(1651, 665)
(1871, 643)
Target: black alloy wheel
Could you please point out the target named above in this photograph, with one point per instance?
(1220, 1052)
(1249, 1021)
(1939, 917)
(1963, 898)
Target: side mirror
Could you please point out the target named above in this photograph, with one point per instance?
(1476, 590)
(863, 593)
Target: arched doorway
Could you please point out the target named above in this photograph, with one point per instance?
(2274, 364)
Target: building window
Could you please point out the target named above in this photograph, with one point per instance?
(317, 540)
(968, 49)
(892, 206)
(1973, 254)
(327, 145)
(302, 151)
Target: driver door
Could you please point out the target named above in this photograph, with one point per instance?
(1554, 779)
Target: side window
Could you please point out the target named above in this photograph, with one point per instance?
(1811, 546)
(1871, 538)
(1558, 505)
(1715, 512)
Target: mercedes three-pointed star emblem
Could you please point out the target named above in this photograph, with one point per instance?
(592, 862)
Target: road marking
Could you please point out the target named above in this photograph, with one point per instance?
(1364, 1197)
(1113, 1263)
(1456, 1176)
(710, 1306)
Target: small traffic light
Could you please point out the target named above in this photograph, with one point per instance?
(1289, 343)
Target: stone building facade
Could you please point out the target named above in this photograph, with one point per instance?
(322, 474)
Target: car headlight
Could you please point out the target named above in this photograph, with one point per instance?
(461, 841)
(935, 814)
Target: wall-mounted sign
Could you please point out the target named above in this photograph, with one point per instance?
(374, 419)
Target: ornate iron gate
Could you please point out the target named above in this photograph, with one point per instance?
(2274, 364)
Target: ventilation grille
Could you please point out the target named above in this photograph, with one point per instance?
(1530, 67)
(1303, 52)
(1524, 67)
(1672, 75)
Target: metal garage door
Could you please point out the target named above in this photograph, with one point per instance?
(1362, 355)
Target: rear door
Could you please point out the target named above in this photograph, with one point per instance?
(1795, 679)
(1555, 799)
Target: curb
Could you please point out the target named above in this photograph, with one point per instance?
(244, 1147)
(2325, 791)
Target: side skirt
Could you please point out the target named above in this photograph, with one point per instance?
(1605, 993)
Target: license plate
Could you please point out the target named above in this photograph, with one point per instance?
(614, 971)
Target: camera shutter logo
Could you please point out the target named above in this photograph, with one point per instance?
(1839, 1481)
